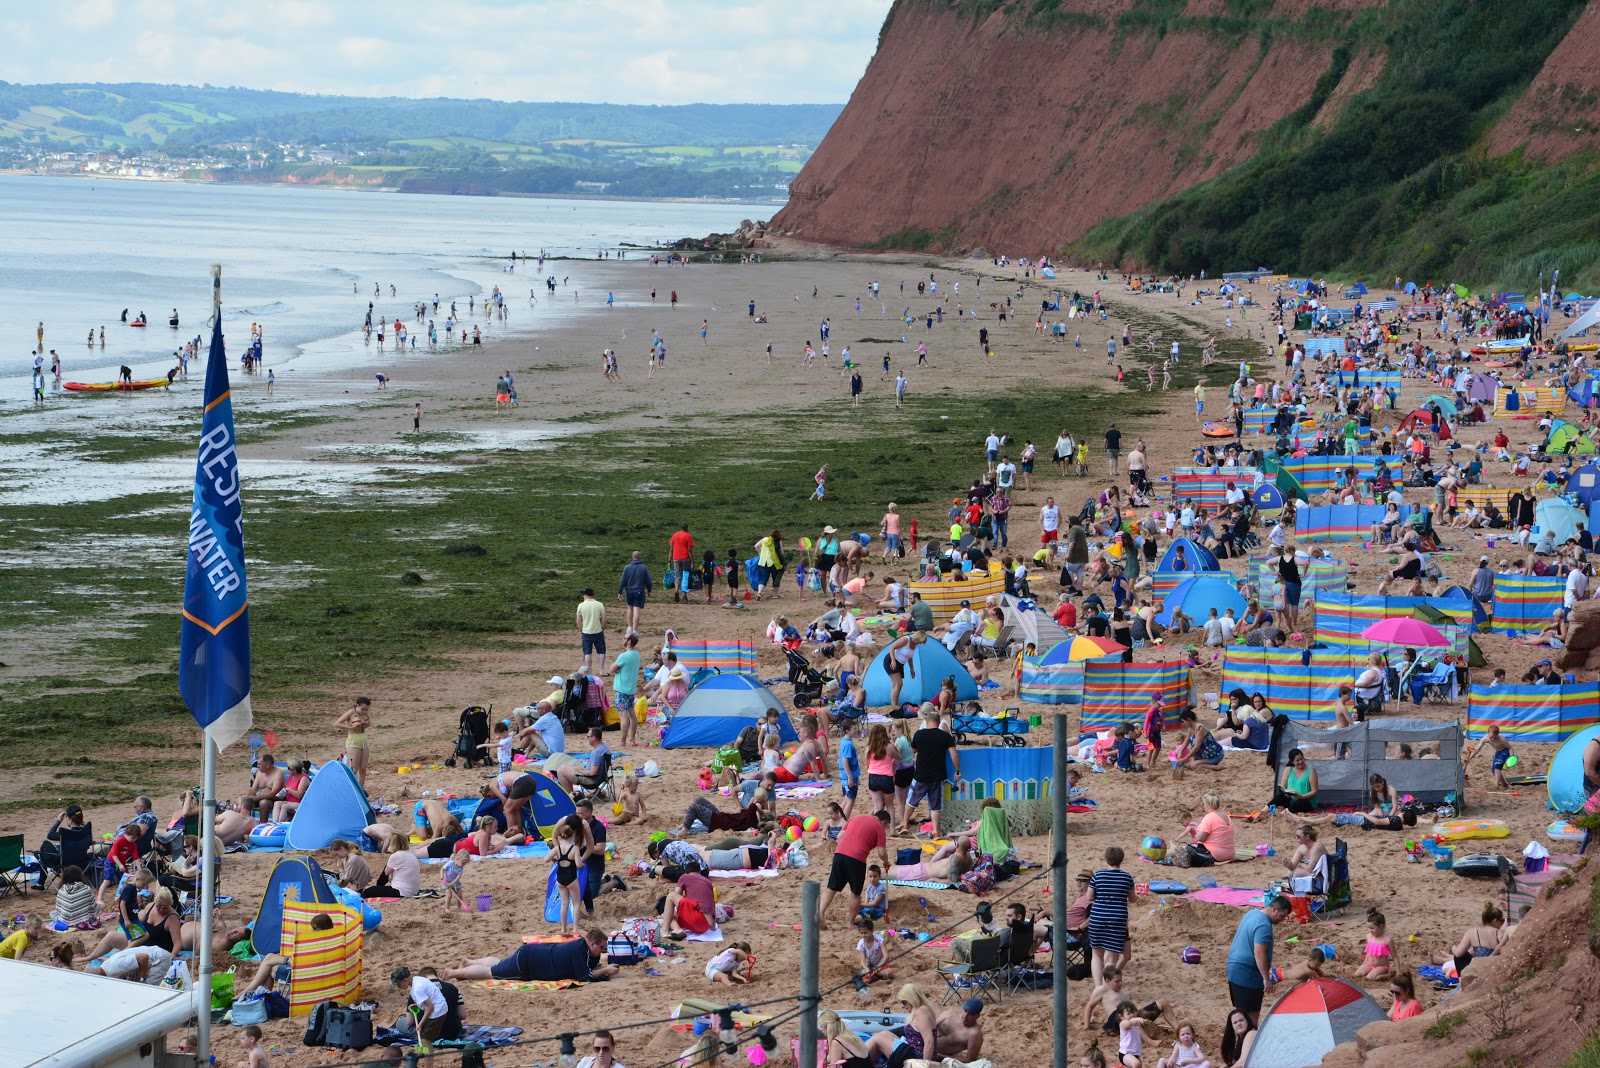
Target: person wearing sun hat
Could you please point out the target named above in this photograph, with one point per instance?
(677, 687)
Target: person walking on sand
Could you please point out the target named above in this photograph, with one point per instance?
(416, 416)
(705, 328)
(855, 389)
(355, 722)
(592, 629)
(681, 552)
(900, 390)
(635, 584)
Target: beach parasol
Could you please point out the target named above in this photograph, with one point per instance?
(1092, 648)
(1405, 630)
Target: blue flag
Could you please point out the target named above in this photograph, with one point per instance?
(214, 663)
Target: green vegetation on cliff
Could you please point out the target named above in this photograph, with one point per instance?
(1398, 182)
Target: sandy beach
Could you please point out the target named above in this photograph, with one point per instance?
(728, 379)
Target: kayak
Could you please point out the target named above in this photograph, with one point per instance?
(112, 387)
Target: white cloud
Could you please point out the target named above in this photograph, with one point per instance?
(619, 51)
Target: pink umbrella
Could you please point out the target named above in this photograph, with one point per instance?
(1404, 630)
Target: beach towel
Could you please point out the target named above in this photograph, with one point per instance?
(532, 850)
(1238, 896)
(994, 832)
(539, 940)
(921, 884)
(532, 984)
(483, 1035)
(800, 793)
(746, 873)
(713, 935)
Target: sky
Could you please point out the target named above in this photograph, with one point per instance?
(592, 51)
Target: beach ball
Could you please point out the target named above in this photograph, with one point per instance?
(810, 823)
(1154, 848)
(1191, 954)
(792, 833)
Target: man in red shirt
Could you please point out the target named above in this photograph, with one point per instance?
(861, 835)
(682, 554)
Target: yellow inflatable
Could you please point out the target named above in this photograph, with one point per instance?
(1459, 830)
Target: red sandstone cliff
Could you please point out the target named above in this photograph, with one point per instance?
(1016, 137)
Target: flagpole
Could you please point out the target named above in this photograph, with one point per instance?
(208, 831)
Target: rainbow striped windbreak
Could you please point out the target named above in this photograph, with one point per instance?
(1340, 522)
(1318, 473)
(323, 965)
(735, 654)
(1051, 684)
(1534, 713)
(1299, 684)
(1524, 603)
(1317, 577)
(1207, 490)
(1114, 692)
(1341, 617)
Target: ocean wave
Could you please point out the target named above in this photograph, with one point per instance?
(277, 307)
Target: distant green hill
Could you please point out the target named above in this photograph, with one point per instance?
(179, 117)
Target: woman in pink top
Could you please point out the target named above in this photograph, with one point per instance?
(1406, 1004)
(881, 755)
(1214, 833)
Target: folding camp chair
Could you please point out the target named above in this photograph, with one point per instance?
(71, 849)
(1018, 958)
(12, 877)
(1438, 684)
(981, 971)
(1331, 893)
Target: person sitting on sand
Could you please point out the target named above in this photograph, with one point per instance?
(951, 861)
(577, 960)
(1108, 997)
(1484, 940)
(1310, 968)
(265, 788)
(1385, 814)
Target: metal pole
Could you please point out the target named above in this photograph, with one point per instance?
(208, 835)
(810, 988)
(1058, 887)
(208, 897)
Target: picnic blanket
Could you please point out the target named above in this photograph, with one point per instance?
(921, 884)
(1238, 896)
(530, 984)
(521, 852)
(747, 874)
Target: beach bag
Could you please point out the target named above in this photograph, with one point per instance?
(177, 977)
(980, 880)
(347, 1028)
(251, 1010)
(620, 949)
(908, 855)
(1181, 855)
(222, 990)
(642, 932)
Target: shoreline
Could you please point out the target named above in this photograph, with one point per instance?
(351, 187)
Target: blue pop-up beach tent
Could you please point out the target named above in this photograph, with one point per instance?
(1566, 772)
(931, 664)
(1199, 558)
(335, 806)
(1197, 596)
(716, 710)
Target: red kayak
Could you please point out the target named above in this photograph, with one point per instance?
(112, 387)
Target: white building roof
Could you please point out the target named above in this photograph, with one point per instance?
(51, 1016)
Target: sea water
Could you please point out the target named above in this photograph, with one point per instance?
(301, 262)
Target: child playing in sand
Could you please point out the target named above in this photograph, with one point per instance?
(1130, 1046)
(30, 930)
(875, 895)
(633, 810)
(1126, 736)
(835, 824)
(873, 954)
(454, 869)
(1378, 962)
(250, 1042)
(1310, 968)
(1185, 1051)
(1502, 754)
(723, 968)
(1154, 720)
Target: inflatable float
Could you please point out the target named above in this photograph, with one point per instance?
(1564, 831)
(113, 387)
(370, 916)
(1216, 430)
(269, 836)
(1461, 830)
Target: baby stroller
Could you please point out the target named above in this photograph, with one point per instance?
(474, 733)
(807, 681)
(578, 712)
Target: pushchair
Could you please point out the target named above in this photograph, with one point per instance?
(807, 681)
(578, 712)
(474, 733)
